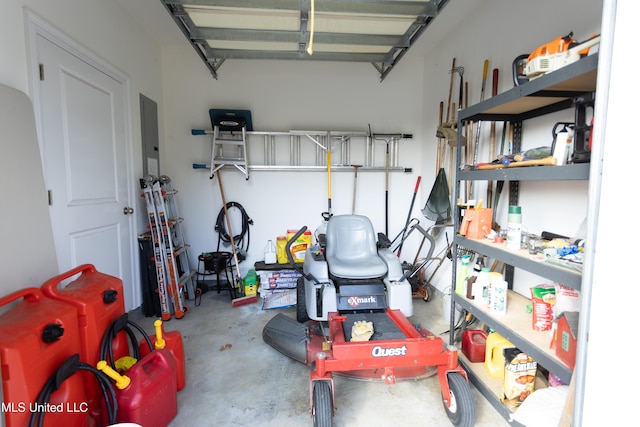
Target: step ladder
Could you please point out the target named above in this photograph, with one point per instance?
(229, 144)
(180, 247)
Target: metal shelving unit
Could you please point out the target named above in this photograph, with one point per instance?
(556, 91)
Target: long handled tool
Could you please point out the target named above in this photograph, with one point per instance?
(440, 154)
(492, 140)
(453, 142)
(329, 177)
(406, 225)
(386, 192)
(476, 143)
(233, 245)
(355, 187)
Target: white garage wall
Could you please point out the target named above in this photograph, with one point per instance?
(287, 96)
(295, 95)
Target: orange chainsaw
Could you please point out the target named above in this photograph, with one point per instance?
(556, 54)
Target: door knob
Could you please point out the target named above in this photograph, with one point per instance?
(128, 211)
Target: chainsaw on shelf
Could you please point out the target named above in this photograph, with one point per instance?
(556, 54)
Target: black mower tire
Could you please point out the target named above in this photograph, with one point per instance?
(462, 411)
(322, 405)
(301, 305)
(430, 293)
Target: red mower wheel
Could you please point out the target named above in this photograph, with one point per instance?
(322, 409)
(462, 410)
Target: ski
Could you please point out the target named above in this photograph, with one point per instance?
(158, 256)
(175, 291)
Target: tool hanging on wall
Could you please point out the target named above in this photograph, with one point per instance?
(452, 140)
(492, 138)
(439, 154)
(329, 178)
(386, 191)
(406, 224)
(444, 130)
(476, 143)
(238, 281)
(355, 187)
(500, 183)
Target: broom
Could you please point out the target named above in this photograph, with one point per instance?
(242, 300)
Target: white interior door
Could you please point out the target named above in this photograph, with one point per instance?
(83, 119)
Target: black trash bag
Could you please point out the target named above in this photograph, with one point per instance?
(438, 206)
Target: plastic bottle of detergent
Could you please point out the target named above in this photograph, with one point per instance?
(494, 357)
(270, 253)
(481, 286)
(463, 275)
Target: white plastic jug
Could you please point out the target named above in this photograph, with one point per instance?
(270, 253)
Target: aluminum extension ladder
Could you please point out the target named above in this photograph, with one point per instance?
(229, 144)
(180, 247)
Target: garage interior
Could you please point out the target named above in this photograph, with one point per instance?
(381, 84)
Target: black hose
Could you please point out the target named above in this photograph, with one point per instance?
(64, 371)
(122, 324)
(242, 239)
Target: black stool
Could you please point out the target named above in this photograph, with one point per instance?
(216, 263)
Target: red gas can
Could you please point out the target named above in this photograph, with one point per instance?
(147, 393)
(38, 334)
(172, 342)
(474, 343)
(99, 301)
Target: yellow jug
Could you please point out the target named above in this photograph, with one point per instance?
(494, 357)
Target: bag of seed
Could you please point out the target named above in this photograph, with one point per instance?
(519, 377)
(543, 298)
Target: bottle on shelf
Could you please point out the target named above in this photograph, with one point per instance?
(514, 227)
(481, 285)
(463, 275)
(270, 253)
(498, 296)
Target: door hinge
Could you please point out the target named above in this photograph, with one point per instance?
(50, 197)
(41, 71)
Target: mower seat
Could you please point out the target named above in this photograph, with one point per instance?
(351, 250)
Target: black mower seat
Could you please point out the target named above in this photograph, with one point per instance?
(351, 250)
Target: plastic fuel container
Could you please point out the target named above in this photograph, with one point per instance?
(37, 335)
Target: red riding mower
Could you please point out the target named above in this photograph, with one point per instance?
(352, 308)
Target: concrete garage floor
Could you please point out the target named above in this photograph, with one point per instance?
(234, 379)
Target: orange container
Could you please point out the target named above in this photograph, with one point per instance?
(98, 298)
(172, 342)
(99, 301)
(476, 223)
(37, 335)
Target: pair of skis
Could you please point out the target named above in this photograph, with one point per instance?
(169, 288)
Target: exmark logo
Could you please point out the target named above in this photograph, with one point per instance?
(378, 351)
(356, 301)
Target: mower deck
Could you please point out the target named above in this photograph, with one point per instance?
(398, 350)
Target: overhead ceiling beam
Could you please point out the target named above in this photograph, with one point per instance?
(398, 45)
(407, 8)
(298, 37)
(295, 55)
